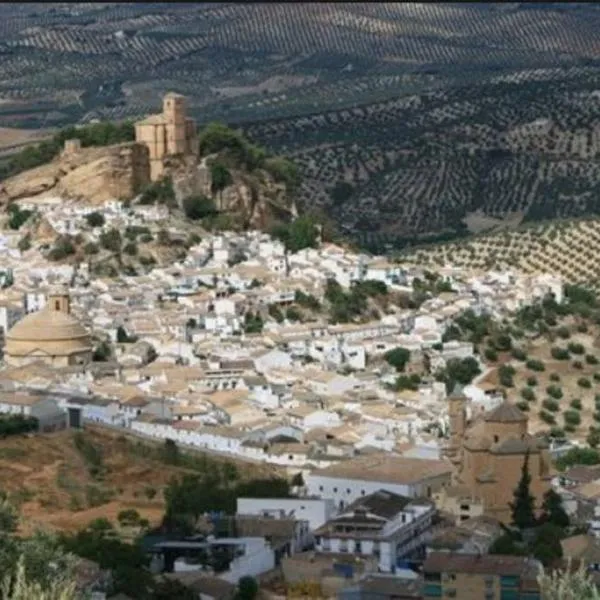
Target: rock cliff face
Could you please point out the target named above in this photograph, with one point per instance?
(252, 200)
(95, 175)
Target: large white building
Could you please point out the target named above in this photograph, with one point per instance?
(385, 525)
(350, 480)
(315, 511)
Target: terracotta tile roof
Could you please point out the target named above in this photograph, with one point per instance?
(386, 468)
(505, 413)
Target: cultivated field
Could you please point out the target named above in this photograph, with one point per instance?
(565, 248)
(429, 112)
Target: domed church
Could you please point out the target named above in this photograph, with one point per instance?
(51, 335)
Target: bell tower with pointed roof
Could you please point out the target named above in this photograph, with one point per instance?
(457, 413)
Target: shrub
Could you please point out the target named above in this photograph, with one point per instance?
(547, 417)
(585, 383)
(577, 364)
(17, 217)
(149, 492)
(198, 207)
(554, 377)
(576, 348)
(554, 392)
(275, 313)
(560, 353)
(582, 328)
(532, 381)
(159, 192)
(572, 417)
(95, 219)
(596, 376)
(90, 248)
(17, 424)
(301, 233)
(490, 354)
(24, 243)
(576, 404)
(519, 354)
(63, 247)
(307, 300)
(131, 249)
(563, 332)
(522, 405)
(557, 432)
(111, 240)
(528, 394)
(551, 405)
(590, 359)
(535, 365)
(397, 358)
(293, 314)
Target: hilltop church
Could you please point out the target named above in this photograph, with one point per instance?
(488, 455)
(168, 134)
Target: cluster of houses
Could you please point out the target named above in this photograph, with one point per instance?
(309, 396)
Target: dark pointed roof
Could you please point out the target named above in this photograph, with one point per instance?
(505, 413)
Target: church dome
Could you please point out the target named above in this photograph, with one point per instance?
(47, 325)
(51, 334)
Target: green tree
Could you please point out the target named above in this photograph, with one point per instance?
(397, 358)
(593, 438)
(129, 517)
(95, 219)
(284, 171)
(220, 177)
(553, 511)
(546, 546)
(301, 233)
(111, 240)
(507, 544)
(198, 207)
(247, 588)
(522, 507)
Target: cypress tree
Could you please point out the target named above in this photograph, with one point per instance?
(522, 507)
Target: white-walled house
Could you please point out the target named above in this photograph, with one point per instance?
(317, 511)
(351, 479)
(45, 409)
(272, 359)
(382, 524)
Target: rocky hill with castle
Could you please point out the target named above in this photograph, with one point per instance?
(166, 146)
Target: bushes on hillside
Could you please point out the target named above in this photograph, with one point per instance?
(198, 207)
(98, 134)
(17, 424)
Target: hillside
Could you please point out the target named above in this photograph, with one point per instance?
(404, 119)
(546, 359)
(524, 146)
(565, 248)
(49, 477)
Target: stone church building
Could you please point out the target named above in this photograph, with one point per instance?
(488, 455)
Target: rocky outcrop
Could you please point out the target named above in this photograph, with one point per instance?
(253, 200)
(95, 175)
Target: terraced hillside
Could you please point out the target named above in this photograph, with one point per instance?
(525, 146)
(72, 61)
(427, 112)
(565, 248)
